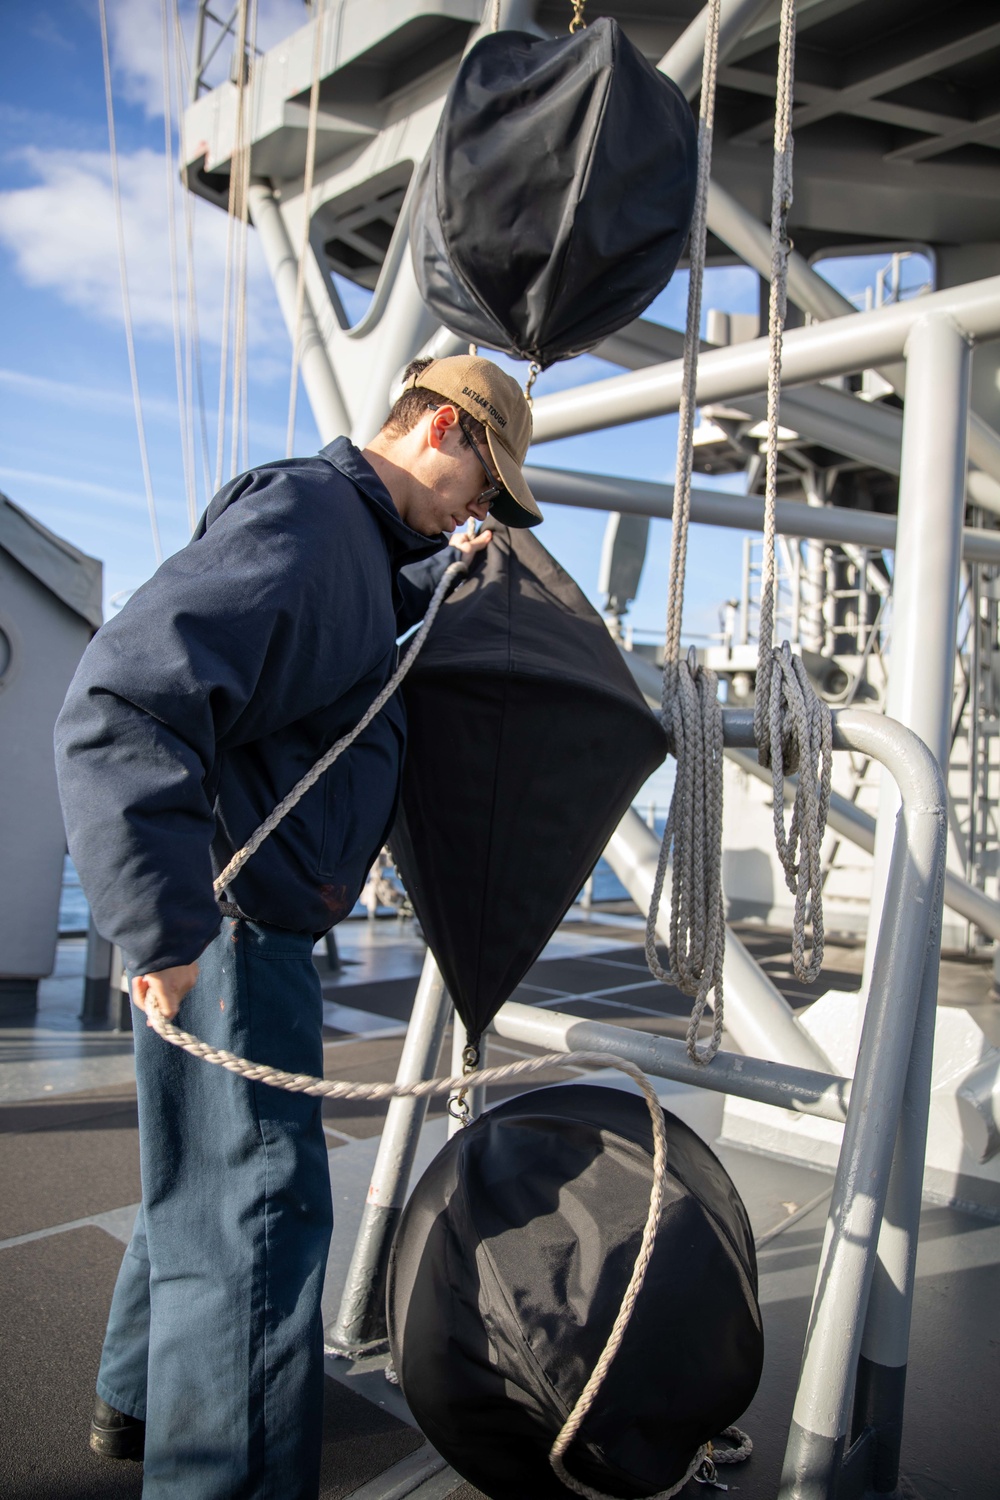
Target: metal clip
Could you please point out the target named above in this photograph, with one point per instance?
(458, 1107)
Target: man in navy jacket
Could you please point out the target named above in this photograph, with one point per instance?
(193, 712)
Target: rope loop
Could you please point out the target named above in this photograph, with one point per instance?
(793, 727)
(689, 705)
(692, 848)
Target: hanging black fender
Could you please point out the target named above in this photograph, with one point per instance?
(508, 1270)
(526, 742)
(557, 194)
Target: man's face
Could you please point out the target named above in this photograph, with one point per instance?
(455, 476)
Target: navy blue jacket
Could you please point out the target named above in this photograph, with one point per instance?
(223, 679)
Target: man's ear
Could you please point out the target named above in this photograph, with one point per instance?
(442, 421)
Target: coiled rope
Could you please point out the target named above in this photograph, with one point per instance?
(690, 708)
(793, 727)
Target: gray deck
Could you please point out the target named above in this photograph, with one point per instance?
(69, 1184)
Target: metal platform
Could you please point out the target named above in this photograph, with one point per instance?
(69, 1184)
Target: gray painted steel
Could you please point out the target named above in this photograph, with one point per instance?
(838, 347)
(360, 1321)
(757, 1014)
(854, 823)
(893, 1065)
(314, 362)
(928, 558)
(805, 1090)
(47, 604)
(683, 62)
(827, 523)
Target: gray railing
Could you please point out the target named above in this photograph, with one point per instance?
(846, 1422)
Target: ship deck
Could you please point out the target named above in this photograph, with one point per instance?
(70, 1183)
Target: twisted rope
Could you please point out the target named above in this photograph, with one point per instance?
(690, 708)
(327, 1088)
(307, 195)
(792, 725)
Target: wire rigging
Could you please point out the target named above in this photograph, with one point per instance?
(231, 212)
(307, 189)
(793, 727)
(183, 384)
(123, 277)
(193, 358)
(241, 168)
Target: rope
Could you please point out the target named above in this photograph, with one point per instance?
(240, 424)
(301, 1083)
(194, 373)
(327, 1088)
(183, 387)
(307, 189)
(126, 301)
(792, 725)
(231, 209)
(690, 706)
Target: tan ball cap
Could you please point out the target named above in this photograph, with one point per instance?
(487, 393)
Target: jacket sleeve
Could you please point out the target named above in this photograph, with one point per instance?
(219, 624)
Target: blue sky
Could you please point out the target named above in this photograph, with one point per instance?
(68, 446)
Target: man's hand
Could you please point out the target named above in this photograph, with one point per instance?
(167, 988)
(469, 545)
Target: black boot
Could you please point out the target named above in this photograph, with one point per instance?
(114, 1434)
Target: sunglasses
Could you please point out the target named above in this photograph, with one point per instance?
(488, 495)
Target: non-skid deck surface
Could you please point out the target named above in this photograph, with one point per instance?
(66, 1157)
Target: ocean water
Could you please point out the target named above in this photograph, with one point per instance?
(74, 913)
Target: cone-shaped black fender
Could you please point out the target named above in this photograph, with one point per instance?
(527, 740)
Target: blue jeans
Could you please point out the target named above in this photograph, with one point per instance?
(215, 1335)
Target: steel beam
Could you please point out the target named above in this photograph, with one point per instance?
(892, 1067)
(683, 62)
(751, 241)
(825, 523)
(757, 1015)
(837, 347)
(927, 571)
(360, 1323)
(805, 1091)
(314, 362)
(851, 822)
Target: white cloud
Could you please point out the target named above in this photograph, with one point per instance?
(71, 393)
(79, 264)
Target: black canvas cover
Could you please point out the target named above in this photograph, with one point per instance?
(527, 740)
(507, 1273)
(557, 194)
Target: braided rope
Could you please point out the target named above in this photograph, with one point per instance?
(327, 1088)
(792, 725)
(690, 706)
(311, 777)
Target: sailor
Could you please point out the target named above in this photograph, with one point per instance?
(193, 712)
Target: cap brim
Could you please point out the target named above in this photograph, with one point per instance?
(515, 506)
